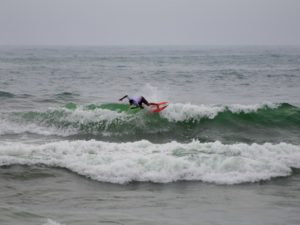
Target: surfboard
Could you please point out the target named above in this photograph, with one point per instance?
(162, 106)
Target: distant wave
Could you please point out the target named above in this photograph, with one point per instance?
(144, 161)
(177, 122)
(65, 96)
(4, 94)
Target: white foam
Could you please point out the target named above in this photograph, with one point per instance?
(238, 108)
(144, 161)
(10, 124)
(83, 115)
(181, 112)
(52, 222)
(14, 127)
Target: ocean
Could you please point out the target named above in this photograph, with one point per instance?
(226, 150)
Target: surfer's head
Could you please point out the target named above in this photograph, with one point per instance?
(130, 101)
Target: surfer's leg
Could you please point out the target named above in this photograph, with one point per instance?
(157, 105)
(143, 100)
(148, 103)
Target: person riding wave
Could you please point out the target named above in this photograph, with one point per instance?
(138, 101)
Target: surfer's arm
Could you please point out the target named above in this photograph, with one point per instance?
(123, 97)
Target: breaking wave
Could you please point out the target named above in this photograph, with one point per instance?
(182, 122)
(143, 161)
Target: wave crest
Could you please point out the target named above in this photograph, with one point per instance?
(186, 112)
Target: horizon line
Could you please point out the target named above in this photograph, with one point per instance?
(148, 45)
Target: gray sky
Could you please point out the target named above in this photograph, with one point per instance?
(149, 22)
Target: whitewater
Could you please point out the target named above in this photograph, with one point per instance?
(159, 163)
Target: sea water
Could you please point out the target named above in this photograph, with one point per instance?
(225, 151)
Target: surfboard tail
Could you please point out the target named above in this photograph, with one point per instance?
(161, 106)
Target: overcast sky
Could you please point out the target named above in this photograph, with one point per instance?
(150, 22)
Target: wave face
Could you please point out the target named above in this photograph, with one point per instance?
(182, 122)
(160, 163)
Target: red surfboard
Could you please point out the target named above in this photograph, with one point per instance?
(162, 106)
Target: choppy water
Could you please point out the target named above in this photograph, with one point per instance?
(232, 129)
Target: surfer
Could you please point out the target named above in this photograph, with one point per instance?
(138, 101)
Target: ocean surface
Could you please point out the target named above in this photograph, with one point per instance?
(225, 151)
